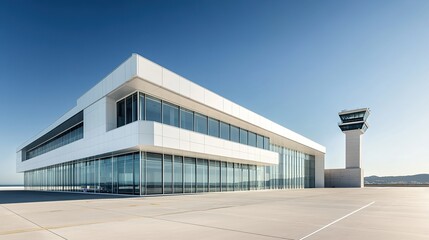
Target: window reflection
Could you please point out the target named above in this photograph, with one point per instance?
(153, 109)
(200, 123)
(243, 136)
(140, 106)
(213, 127)
(170, 114)
(154, 173)
(121, 174)
(186, 119)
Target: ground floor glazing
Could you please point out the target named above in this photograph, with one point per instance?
(146, 173)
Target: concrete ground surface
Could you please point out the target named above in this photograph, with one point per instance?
(367, 213)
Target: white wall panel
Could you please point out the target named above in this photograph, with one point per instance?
(319, 166)
(171, 81)
(149, 71)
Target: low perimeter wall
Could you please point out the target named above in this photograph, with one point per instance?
(348, 177)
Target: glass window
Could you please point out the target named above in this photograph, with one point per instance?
(237, 177)
(125, 167)
(245, 175)
(168, 174)
(252, 177)
(71, 135)
(189, 175)
(261, 177)
(186, 119)
(143, 173)
(243, 136)
(134, 107)
(178, 174)
(235, 134)
(252, 139)
(128, 109)
(170, 114)
(114, 173)
(214, 176)
(142, 106)
(153, 109)
(202, 175)
(224, 130)
(266, 143)
(213, 127)
(230, 176)
(136, 173)
(154, 173)
(120, 113)
(223, 174)
(200, 124)
(268, 177)
(260, 141)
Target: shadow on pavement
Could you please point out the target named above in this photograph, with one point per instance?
(23, 196)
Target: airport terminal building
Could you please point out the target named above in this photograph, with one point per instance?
(145, 130)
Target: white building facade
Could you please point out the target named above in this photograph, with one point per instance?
(145, 130)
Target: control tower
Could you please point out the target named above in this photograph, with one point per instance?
(353, 124)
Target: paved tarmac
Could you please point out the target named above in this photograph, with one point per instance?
(368, 213)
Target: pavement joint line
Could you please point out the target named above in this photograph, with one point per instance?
(339, 219)
(224, 229)
(200, 225)
(46, 229)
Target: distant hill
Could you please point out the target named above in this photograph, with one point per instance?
(411, 179)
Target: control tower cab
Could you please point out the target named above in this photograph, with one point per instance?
(353, 124)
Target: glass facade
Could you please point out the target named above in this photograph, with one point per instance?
(144, 107)
(147, 173)
(126, 110)
(73, 134)
(119, 175)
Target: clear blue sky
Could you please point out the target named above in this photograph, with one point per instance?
(296, 62)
